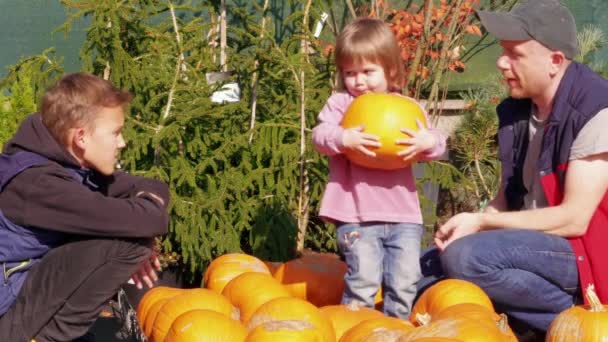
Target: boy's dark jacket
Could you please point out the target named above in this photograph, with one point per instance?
(56, 200)
(50, 197)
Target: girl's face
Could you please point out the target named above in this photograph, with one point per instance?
(364, 77)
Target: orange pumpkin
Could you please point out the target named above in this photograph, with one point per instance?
(464, 329)
(445, 294)
(293, 309)
(205, 325)
(344, 317)
(383, 115)
(151, 316)
(382, 329)
(480, 314)
(151, 297)
(201, 299)
(582, 322)
(228, 266)
(282, 331)
(317, 278)
(436, 339)
(250, 290)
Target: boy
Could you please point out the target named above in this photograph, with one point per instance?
(72, 229)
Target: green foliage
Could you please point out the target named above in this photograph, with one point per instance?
(23, 87)
(475, 146)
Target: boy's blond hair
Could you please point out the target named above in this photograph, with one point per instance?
(371, 40)
(75, 101)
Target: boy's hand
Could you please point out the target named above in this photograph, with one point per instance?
(147, 272)
(153, 195)
(419, 142)
(355, 139)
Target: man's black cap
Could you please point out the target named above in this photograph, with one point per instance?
(546, 21)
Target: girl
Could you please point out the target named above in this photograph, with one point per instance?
(376, 212)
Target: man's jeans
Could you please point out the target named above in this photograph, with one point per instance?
(381, 254)
(530, 276)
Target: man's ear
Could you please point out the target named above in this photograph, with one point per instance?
(558, 60)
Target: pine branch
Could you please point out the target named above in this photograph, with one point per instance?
(256, 63)
(303, 199)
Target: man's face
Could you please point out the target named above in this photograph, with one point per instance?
(103, 141)
(526, 67)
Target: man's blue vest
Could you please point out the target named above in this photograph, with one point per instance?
(20, 247)
(579, 97)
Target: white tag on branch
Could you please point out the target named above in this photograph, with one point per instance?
(230, 92)
(320, 24)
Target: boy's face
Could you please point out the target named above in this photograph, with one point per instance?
(103, 141)
(364, 77)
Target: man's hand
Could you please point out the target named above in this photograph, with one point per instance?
(147, 272)
(420, 141)
(458, 226)
(355, 139)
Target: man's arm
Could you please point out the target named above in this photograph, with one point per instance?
(586, 184)
(498, 203)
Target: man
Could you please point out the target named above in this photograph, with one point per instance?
(546, 228)
(72, 229)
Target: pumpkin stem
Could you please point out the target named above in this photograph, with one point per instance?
(353, 305)
(503, 323)
(594, 301)
(423, 319)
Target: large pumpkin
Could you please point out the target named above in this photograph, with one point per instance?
(317, 278)
(205, 326)
(293, 309)
(151, 297)
(282, 331)
(250, 290)
(478, 313)
(582, 322)
(343, 317)
(444, 294)
(464, 329)
(228, 266)
(383, 115)
(195, 299)
(382, 329)
(148, 324)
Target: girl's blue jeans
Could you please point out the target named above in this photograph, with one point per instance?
(380, 254)
(530, 276)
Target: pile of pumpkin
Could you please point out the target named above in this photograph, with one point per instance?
(246, 299)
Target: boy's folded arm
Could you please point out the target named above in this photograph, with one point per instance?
(125, 185)
(56, 201)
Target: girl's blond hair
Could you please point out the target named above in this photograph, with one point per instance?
(371, 40)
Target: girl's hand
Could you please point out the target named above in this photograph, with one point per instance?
(419, 142)
(355, 139)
